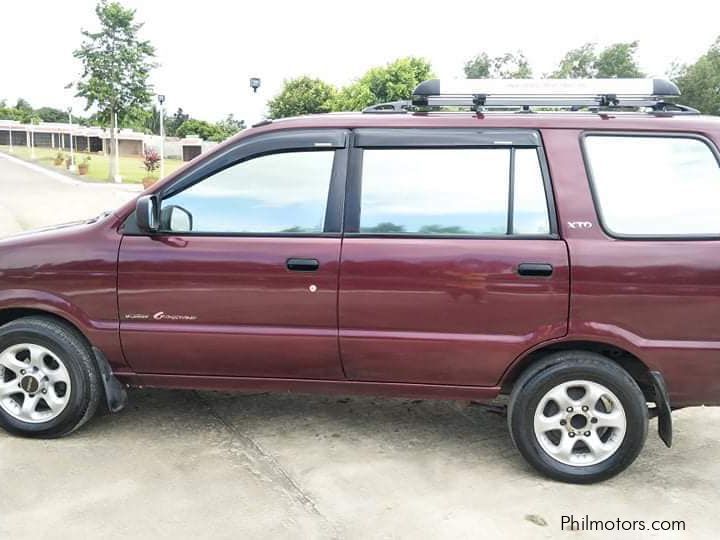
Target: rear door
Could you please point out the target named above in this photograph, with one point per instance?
(242, 279)
(451, 262)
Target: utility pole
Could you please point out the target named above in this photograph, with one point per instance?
(72, 153)
(31, 140)
(116, 150)
(161, 100)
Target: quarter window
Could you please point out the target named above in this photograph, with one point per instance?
(440, 191)
(666, 186)
(276, 193)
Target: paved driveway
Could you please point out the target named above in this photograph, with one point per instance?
(179, 464)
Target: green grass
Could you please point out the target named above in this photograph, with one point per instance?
(131, 167)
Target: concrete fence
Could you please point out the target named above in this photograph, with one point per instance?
(94, 139)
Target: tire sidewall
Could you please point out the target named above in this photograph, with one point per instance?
(626, 390)
(68, 354)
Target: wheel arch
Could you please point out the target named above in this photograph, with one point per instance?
(630, 362)
(13, 313)
(115, 396)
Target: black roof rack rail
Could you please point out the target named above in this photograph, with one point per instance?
(391, 107)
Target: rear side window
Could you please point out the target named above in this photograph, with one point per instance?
(665, 186)
(440, 191)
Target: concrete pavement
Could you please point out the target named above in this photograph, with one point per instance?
(183, 464)
(32, 196)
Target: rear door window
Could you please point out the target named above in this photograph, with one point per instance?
(655, 185)
(453, 191)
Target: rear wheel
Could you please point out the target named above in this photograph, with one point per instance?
(49, 383)
(578, 417)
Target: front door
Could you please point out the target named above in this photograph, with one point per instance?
(242, 280)
(451, 264)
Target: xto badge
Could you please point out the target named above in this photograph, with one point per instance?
(579, 224)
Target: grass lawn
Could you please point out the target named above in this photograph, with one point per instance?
(131, 168)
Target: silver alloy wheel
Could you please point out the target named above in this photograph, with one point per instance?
(34, 383)
(580, 423)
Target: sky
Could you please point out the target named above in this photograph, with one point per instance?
(208, 50)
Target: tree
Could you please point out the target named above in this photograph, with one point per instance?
(505, 66)
(200, 128)
(23, 105)
(392, 82)
(229, 126)
(478, 67)
(116, 67)
(51, 114)
(618, 60)
(700, 82)
(303, 95)
(577, 63)
(585, 62)
(175, 121)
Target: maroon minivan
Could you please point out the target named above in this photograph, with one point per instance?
(552, 247)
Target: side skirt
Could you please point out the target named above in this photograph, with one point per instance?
(312, 386)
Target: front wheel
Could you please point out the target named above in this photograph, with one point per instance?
(578, 417)
(49, 383)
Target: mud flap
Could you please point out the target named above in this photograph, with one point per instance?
(662, 402)
(115, 393)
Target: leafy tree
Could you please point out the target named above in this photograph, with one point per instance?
(478, 67)
(11, 113)
(51, 114)
(23, 105)
(392, 82)
(585, 62)
(618, 60)
(200, 128)
(175, 121)
(303, 95)
(116, 66)
(229, 126)
(505, 66)
(577, 63)
(700, 82)
(211, 132)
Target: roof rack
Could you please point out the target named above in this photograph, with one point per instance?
(595, 95)
(391, 107)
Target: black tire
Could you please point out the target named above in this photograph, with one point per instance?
(72, 349)
(567, 366)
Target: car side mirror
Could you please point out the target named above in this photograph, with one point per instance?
(176, 219)
(147, 213)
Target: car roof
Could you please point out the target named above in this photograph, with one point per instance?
(560, 120)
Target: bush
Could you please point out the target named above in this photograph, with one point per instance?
(151, 160)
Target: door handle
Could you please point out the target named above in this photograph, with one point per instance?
(535, 269)
(302, 265)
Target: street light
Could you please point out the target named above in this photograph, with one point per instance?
(161, 100)
(72, 153)
(255, 83)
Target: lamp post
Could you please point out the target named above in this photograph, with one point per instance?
(161, 100)
(255, 84)
(10, 134)
(72, 153)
